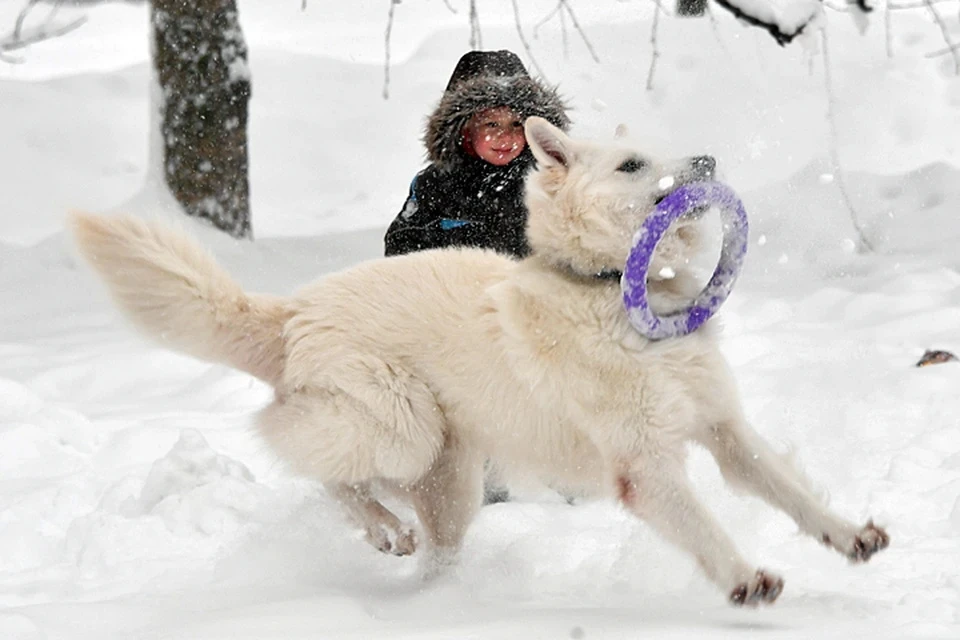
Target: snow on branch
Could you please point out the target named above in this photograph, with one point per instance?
(784, 26)
(760, 14)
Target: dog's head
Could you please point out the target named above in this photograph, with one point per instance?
(587, 200)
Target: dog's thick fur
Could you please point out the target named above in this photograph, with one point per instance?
(405, 373)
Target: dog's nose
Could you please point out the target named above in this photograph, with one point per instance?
(703, 166)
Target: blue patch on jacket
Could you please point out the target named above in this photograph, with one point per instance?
(446, 224)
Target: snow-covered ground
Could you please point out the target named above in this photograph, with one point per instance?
(136, 502)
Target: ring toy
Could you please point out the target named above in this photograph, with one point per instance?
(685, 199)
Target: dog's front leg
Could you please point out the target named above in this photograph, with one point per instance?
(748, 462)
(382, 528)
(658, 491)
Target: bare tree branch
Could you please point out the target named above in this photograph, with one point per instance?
(654, 46)
(22, 17)
(865, 245)
(556, 11)
(944, 51)
(951, 47)
(563, 6)
(576, 25)
(547, 17)
(563, 35)
(386, 58)
(715, 27)
(25, 38)
(523, 38)
(903, 6)
(888, 28)
(449, 6)
(476, 41)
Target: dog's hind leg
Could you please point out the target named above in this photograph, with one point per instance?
(748, 462)
(447, 499)
(383, 529)
(364, 422)
(658, 492)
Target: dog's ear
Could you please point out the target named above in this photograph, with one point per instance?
(622, 131)
(550, 146)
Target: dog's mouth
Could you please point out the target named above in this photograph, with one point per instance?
(694, 213)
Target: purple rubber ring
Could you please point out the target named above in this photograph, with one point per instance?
(684, 199)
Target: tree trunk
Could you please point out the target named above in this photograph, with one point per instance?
(691, 8)
(201, 62)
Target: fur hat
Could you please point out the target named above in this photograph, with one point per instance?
(483, 80)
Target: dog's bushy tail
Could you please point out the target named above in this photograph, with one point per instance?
(176, 293)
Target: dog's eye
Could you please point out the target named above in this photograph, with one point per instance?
(632, 165)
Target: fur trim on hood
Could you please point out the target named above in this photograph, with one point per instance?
(521, 93)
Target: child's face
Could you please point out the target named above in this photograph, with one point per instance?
(495, 135)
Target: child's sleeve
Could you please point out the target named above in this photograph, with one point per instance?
(411, 230)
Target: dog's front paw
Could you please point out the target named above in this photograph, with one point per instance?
(862, 545)
(869, 541)
(764, 587)
(402, 542)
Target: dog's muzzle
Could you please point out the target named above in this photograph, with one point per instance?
(701, 169)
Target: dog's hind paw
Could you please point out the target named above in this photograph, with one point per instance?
(406, 543)
(861, 546)
(764, 587)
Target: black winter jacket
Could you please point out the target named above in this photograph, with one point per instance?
(461, 200)
(479, 205)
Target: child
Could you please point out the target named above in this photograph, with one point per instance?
(471, 194)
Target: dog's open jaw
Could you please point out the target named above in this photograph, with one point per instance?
(586, 202)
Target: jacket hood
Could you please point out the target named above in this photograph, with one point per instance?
(518, 91)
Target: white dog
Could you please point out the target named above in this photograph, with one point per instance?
(405, 373)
